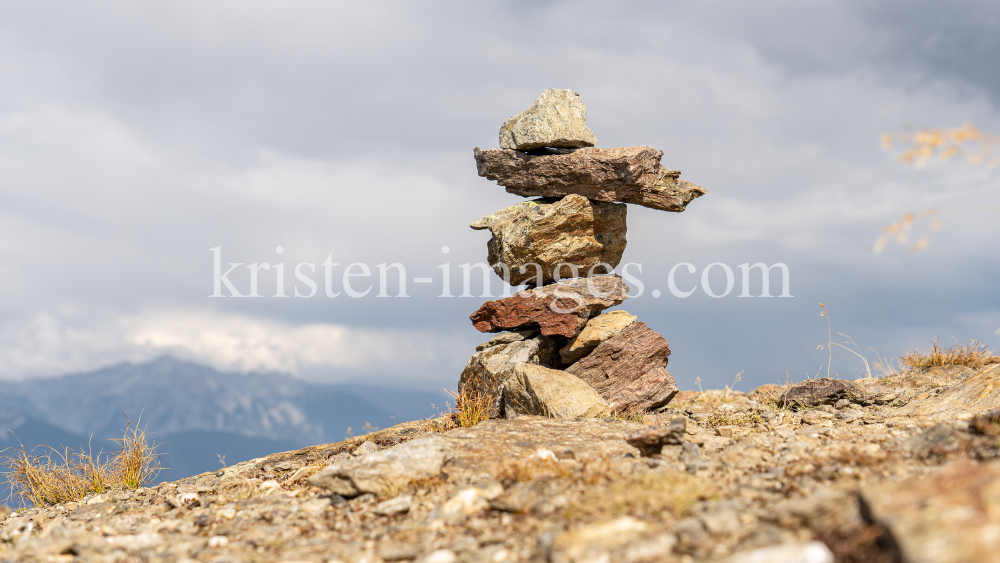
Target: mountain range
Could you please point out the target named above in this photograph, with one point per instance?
(199, 417)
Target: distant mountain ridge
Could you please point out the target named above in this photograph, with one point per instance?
(196, 413)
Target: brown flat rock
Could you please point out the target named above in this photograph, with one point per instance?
(623, 174)
(823, 391)
(561, 308)
(629, 370)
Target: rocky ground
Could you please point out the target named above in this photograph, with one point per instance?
(901, 468)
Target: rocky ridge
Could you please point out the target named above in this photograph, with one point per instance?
(905, 470)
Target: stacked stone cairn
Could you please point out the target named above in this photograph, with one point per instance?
(558, 353)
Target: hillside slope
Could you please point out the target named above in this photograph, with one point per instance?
(897, 469)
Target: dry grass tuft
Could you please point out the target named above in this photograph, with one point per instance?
(946, 143)
(971, 354)
(768, 397)
(628, 415)
(471, 406)
(54, 477)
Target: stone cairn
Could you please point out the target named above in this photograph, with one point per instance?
(558, 354)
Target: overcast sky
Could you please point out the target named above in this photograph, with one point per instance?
(134, 137)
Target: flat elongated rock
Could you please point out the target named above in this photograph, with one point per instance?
(622, 174)
(531, 239)
(387, 470)
(629, 370)
(535, 390)
(822, 391)
(485, 371)
(597, 330)
(558, 118)
(561, 308)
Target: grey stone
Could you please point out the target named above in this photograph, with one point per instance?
(805, 552)
(532, 239)
(470, 501)
(724, 521)
(366, 447)
(507, 338)
(624, 539)
(484, 372)
(816, 417)
(937, 440)
(535, 390)
(691, 535)
(381, 472)
(392, 506)
(849, 414)
(558, 118)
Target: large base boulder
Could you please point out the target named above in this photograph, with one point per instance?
(622, 174)
(629, 370)
(558, 118)
(561, 308)
(485, 372)
(533, 238)
(535, 390)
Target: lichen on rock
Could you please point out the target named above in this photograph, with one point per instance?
(532, 239)
(558, 118)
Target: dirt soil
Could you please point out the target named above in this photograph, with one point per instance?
(902, 468)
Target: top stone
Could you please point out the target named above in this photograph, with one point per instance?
(558, 118)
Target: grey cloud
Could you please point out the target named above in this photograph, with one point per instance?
(135, 137)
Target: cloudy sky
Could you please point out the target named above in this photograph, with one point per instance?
(136, 137)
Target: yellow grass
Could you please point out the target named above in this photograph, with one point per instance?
(53, 477)
(471, 406)
(946, 143)
(971, 354)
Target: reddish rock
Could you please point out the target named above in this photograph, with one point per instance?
(622, 174)
(560, 308)
(629, 370)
